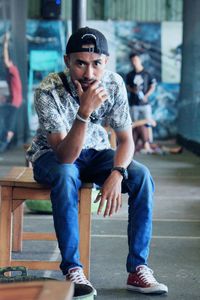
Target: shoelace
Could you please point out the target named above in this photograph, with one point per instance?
(79, 277)
(146, 275)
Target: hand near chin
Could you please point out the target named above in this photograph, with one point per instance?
(92, 98)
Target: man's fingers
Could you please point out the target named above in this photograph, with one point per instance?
(103, 95)
(112, 207)
(100, 91)
(113, 203)
(98, 197)
(94, 85)
(102, 201)
(107, 209)
(79, 87)
(118, 203)
(101, 205)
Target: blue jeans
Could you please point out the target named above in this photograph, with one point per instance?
(94, 166)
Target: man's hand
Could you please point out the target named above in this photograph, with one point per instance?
(145, 98)
(90, 99)
(110, 192)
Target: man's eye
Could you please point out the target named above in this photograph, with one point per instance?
(80, 63)
(97, 63)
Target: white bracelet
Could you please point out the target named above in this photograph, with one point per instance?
(82, 119)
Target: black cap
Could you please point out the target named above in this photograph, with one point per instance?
(85, 36)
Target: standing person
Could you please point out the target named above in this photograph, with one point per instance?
(9, 109)
(140, 85)
(71, 146)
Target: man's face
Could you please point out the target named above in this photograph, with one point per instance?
(86, 67)
(136, 61)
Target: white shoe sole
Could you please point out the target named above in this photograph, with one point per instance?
(150, 290)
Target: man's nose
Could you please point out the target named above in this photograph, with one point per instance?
(89, 72)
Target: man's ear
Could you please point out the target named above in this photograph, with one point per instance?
(106, 59)
(66, 60)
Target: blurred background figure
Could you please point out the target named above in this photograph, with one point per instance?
(142, 139)
(140, 85)
(9, 104)
(141, 135)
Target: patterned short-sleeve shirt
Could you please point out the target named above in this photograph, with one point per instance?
(57, 108)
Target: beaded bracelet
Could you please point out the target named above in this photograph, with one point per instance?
(78, 117)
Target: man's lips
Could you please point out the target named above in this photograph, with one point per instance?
(86, 83)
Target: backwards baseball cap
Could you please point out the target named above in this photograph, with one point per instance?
(86, 36)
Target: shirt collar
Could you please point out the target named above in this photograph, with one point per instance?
(71, 84)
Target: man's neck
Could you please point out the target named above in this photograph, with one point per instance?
(139, 69)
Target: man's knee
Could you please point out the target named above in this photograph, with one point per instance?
(65, 184)
(140, 174)
(65, 172)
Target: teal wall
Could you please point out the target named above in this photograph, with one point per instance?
(123, 37)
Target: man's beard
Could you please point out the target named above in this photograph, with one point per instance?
(86, 83)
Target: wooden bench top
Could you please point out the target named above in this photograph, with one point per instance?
(20, 176)
(37, 290)
(23, 177)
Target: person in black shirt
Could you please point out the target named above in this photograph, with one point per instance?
(140, 85)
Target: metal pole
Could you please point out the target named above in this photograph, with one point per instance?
(18, 26)
(78, 14)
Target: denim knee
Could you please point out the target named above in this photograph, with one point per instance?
(65, 181)
(65, 172)
(139, 175)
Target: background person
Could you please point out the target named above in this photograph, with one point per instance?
(142, 140)
(9, 107)
(71, 146)
(141, 134)
(140, 85)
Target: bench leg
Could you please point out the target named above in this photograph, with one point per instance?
(18, 215)
(85, 228)
(8, 206)
(5, 226)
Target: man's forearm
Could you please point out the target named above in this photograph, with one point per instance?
(132, 89)
(124, 155)
(70, 147)
(125, 151)
(150, 90)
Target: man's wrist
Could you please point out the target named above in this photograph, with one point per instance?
(122, 171)
(117, 174)
(82, 119)
(83, 114)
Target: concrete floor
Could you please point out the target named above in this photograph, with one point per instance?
(175, 247)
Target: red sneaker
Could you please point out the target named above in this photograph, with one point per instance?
(143, 281)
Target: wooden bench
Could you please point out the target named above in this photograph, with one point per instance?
(16, 187)
(37, 290)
